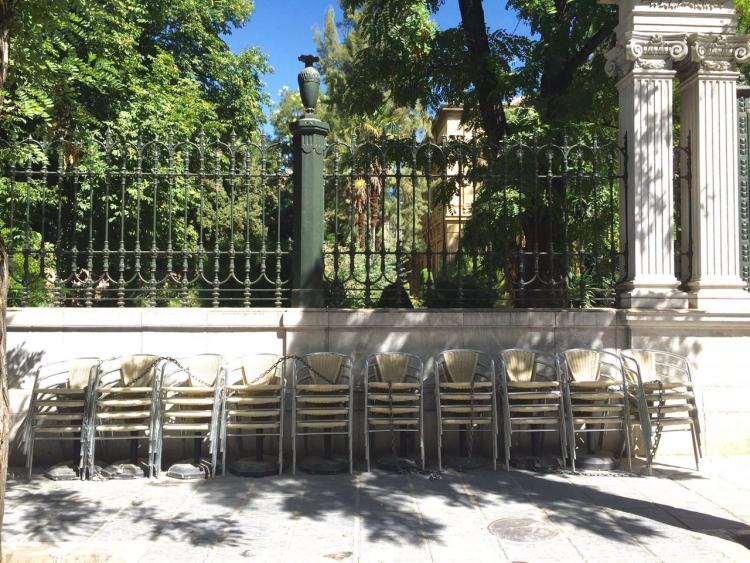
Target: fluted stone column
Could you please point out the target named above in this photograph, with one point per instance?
(644, 66)
(708, 91)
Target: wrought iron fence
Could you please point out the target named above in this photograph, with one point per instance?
(103, 221)
(533, 223)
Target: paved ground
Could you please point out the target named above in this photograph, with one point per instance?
(675, 515)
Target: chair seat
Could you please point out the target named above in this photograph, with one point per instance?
(648, 387)
(58, 416)
(464, 421)
(531, 384)
(123, 414)
(327, 400)
(264, 413)
(58, 403)
(57, 391)
(669, 396)
(535, 420)
(534, 408)
(396, 421)
(128, 390)
(458, 410)
(479, 385)
(189, 390)
(188, 414)
(533, 396)
(55, 429)
(393, 398)
(312, 388)
(188, 401)
(464, 396)
(326, 424)
(123, 402)
(253, 425)
(597, 408)
(185, 426)
(597, 420)
(254, 388)
(322, 412)
(592, 384)
(394, 410)
(252, 400)
(122, 427)
(672, 421)
(598, 396)
(377, 385)
(666, 409)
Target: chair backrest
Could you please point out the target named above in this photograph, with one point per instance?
(80, 372)
(464, 366)
(520, 365)
(325, 368)
(655, 365)
(259, 369)
(137, 370)
(394, 367)
(583, 365)
(201, 370)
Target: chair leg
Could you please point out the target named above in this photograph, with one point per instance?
(30, 458)
(696, 453)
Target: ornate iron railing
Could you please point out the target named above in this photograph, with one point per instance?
(532, 223)
(103, 221)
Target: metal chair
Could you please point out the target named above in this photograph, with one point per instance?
(466, 398)
(666, 397)
(322, 402)
(532, 397)
(122, 408)
(189, 405)
(596, 397)
(253, 406)
(57, 407)
(394, 401)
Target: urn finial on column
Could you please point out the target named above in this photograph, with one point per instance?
(308, 80)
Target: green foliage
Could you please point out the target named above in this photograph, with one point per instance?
(148, 65)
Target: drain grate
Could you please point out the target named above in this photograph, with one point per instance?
(523, 529)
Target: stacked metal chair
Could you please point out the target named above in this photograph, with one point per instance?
(189, 402)
(57, 408)
(323, 399)
(666, 397)
(253, 406)
(394, 401)
(596, 396)
(532, 397)
(466, 398)
(122, 408)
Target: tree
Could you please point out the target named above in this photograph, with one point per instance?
(407, 59)
(131, 65)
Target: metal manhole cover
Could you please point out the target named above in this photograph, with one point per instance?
(523, 529)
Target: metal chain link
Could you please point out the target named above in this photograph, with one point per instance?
(659, 405)
(299, 359)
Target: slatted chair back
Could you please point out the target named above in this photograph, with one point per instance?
(190, 403)
(596, 396)
(666, 397)
(393, 398)
(252, 403)
(58, 405)
(465, 394)
(531, 396)
(322, 399)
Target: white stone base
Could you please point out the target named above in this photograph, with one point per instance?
(720, 299)
(658, 297)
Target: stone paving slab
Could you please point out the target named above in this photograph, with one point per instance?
(674, 515)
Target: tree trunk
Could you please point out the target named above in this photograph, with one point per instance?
(486, 81)
(6, 18)
(5, 407)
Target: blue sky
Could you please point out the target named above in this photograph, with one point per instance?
(283, 29)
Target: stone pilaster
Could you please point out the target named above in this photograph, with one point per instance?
(644, 66)
(708, 114)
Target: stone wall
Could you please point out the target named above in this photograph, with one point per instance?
(716, 345)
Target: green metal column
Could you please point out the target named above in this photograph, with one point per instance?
(743, 113)
(309, 144)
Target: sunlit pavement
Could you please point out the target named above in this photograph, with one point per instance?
(674, 515)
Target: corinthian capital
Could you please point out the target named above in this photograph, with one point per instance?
(646, 52)
(716, 53)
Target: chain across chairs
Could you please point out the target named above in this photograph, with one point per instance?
(532, 397)
(189, 401)
(122, 408)
(466, 398)
(666, 398)
(253, 406)
(596, 397)
(322, 403)
(57, 410)
(394, 403)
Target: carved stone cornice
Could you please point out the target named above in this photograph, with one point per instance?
(715, 53)
(646, 52)
(691, 4)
